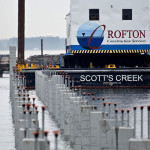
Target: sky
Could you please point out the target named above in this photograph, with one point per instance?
(43, 18)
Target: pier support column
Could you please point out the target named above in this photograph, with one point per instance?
(86, 127)
(139, 144)
(12, 58)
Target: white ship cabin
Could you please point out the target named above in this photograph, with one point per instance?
(108, 27)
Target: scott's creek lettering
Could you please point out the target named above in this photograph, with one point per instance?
(111, 78)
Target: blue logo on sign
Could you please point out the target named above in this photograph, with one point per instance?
(90, 35)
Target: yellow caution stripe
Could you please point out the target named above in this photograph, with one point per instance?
(109, 51)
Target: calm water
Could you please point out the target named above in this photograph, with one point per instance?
(7, 138)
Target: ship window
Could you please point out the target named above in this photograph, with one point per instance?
(126, 14)
(93, 14)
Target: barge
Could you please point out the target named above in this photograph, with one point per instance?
(101, 34)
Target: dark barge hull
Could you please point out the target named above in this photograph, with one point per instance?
(101, 78)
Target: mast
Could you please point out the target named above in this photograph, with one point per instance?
(21, 29)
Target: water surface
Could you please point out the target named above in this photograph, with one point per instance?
(7, 139)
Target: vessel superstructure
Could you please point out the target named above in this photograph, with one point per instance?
(103, 32)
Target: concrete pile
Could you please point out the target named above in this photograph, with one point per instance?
(83, 125)
(140, 143)
(28, 135)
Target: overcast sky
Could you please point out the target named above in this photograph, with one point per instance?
(43, 18)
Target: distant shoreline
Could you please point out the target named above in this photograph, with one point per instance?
(29, 53)
(36, 49)
(49, 43)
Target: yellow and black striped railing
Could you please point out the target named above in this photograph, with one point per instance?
(108, 51)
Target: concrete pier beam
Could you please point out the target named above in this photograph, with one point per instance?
(139, 144)
(29, 144)
(124, 134)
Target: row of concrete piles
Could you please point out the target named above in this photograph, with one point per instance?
(140, 143)
(84, 125)
(28, 135)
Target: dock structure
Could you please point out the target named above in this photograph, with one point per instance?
(28, 135)
(84, 125)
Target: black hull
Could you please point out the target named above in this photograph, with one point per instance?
(30, 79)
(103, 78)
(107, 78)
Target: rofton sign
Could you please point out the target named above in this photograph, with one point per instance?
(127, 34)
